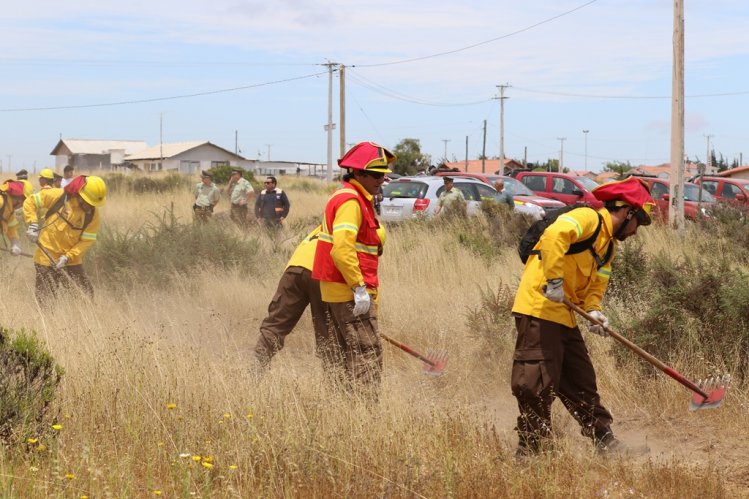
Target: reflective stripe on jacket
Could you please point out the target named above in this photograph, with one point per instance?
(584, 282)
(348, 245)
(63, 232)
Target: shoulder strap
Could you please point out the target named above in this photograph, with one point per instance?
(581, 246)
(60, 202)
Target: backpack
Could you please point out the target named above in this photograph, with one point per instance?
(57, 206)
(532, 236)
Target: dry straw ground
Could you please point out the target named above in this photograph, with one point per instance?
(158, 400)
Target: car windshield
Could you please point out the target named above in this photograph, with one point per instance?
(692, 193)
(589, 184)
(516, 187)
(404, 189)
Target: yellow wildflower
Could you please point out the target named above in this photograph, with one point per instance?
(41, 447)
(70, 476)
(171, 406)
(157, 492)
(249, 415)
(57, 427)
(208, 459)
(233, 466)
(206, 465)
(196, 458)
(32, 440)
(227, 415)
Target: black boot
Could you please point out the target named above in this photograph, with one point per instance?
(607, 443)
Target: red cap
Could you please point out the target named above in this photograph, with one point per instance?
(14, 188)
(632, 191)
(367, 156)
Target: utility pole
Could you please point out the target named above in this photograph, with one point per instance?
(466, 167)
(502, 127)
(268, 146)
(585, 132)
(236, 142)
(330, 126)
(445, 141)
(483, 152)
(709, 157)
(561, 154)
(161, 137)
(525, 156)
(342, 108)
(676, 190)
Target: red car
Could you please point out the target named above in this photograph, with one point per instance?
(693, 205)
(730, 190)
(568, 189)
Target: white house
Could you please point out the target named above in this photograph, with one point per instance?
(186, 157)
(281, 168)
(87, 154)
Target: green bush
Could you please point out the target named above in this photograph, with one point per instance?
(167, 247)
(143, 184)
(491, 321)
(222, 173)
(29, 378)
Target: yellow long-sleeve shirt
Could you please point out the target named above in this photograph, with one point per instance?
(62, 233)
(9, 220)
(584, 283)
(304, 254)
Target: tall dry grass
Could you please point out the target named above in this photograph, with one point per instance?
(158, 397)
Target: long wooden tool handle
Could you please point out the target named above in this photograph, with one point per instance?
(408, 350)
(639, 351)
(22, 253)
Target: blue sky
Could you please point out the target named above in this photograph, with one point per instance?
(572, 65)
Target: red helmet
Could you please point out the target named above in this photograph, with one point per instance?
(14, 188)
(367, 156)
(631, 191)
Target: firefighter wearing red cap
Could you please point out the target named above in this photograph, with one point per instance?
(12, 195)
(346, 262)
(550, 357)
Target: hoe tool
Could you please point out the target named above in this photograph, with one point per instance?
(23, 253)
(707, 394)
(434, 361)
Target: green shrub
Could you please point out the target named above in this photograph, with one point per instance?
(29, 378)
(491, 321)
(167, 247)
(144, 184)
(222, 173)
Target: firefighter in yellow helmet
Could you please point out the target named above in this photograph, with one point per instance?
(46, 178)
(66, 233)
(12, 196)
(346, 263)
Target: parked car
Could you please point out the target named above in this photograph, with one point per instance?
(693, 205)
(729, 190)
(411, 197)
(520, 193)
(568, 189)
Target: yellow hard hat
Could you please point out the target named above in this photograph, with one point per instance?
(94, 191)
(47, 173)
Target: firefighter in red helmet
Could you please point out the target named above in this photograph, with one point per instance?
(346, 261)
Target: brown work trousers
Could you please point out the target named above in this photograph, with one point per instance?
(551, 360)
(201, 214)
(358, 348)
(238, 214)
(49, 279)
(295, 291)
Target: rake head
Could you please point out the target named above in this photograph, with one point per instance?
(435, 362)
(715, 388)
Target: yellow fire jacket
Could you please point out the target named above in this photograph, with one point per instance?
(9, 220)
(304, 254)
(63, 232)
(584, 282)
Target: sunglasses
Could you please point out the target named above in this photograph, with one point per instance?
(267, 182)
(375, 175)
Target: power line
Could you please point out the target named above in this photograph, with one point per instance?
(513, 33)
(158, 99)
(633, 97)
(376, 87)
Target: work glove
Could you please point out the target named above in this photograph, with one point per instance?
(15, 247)
(554, 290)
(33, 232)
(61, 262)
(362, 300)
(596, 328)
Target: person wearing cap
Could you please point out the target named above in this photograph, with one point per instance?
(346, 262)
(550, 357)
(239, 191)
(22, 175)
(272, 204)
(66, 233)
(206, 198)
(451, 200)
(12, 195)
(68, 172)
(56, 180)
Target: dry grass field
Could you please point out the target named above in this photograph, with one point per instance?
(158, 399)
